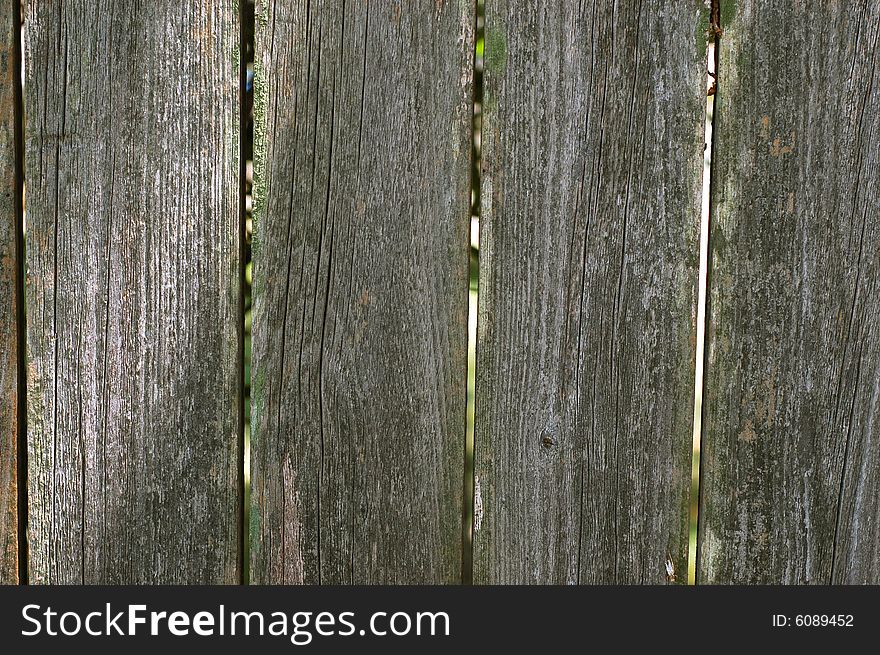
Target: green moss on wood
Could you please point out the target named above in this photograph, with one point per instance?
(701, 30)
(728, 11)
(496, 49)
(260, 147)
(254, 529)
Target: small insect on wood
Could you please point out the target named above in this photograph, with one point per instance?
(670, 570)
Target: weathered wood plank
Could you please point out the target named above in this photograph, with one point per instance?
(791, 448)
(360, 282)
(593, 142)
(9, 275)
(133, 291)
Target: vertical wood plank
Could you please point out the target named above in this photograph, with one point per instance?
(362, 154)
(133, 291)
(791, 444)
(9, 267)
(593, 141)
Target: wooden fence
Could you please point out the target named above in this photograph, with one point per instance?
(123, 392)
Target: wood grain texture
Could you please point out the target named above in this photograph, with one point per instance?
(362, 156)
(593, 141)
(791, 443)
(133, 291)
(9, 266)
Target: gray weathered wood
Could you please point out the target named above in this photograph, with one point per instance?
(133, 291)
(360, 282)
(791, 444)
(593, 142)
(9, 265)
